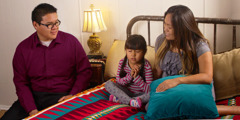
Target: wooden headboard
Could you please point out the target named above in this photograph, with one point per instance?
(214, 21)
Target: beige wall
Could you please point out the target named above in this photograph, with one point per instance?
(15, 22)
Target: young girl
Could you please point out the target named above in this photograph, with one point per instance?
(134, 75)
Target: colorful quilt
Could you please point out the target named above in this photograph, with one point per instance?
(90, 105)
(93, 104)
(235, 101)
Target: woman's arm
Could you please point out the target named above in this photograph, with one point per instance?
(205, 75)
(157, 73)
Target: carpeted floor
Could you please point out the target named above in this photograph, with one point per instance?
(2, 112)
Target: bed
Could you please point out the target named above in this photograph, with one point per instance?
(93, 103)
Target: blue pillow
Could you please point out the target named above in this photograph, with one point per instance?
(185, 101)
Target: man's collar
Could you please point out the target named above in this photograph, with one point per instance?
(37, 41)
(58, 39)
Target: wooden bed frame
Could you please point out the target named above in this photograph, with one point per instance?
(214, 21)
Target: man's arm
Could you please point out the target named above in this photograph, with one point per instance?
(22, 83)
(83, 70)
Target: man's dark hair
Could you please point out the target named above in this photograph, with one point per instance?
(41, 10)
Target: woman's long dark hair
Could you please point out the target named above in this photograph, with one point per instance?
(187, 35)
(135, 42)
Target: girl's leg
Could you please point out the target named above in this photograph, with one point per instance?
(139, 99)
(120, 92)
(144, 97)
(136, 102)
(228, 110)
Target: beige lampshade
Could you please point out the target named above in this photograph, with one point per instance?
(93, 21)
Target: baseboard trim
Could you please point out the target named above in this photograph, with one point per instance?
(4, 107)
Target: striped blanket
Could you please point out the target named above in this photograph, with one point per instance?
(235, 101)
(93, 104)
(89, 105)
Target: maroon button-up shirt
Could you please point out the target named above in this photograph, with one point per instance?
(61, 67)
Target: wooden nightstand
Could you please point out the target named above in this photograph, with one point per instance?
(98, 66)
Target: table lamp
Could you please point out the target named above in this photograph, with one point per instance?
(93, 22)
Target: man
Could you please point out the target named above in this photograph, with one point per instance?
(49, 66)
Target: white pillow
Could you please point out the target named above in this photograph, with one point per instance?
(117, 52)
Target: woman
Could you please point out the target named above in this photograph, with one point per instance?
(182, 49)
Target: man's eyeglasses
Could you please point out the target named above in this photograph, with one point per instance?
(50, 26)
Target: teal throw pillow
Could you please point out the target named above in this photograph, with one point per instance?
(185, 101)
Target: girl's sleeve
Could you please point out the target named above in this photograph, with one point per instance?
(148, 77)
(124, 80)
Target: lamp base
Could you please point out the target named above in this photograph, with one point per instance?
(95, 56)
(94, 43)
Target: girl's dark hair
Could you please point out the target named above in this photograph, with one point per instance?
(135, 42)
(41, 10)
